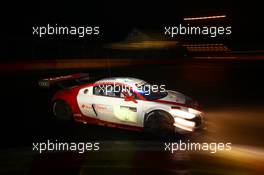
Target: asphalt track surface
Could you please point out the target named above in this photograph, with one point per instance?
(230, 92)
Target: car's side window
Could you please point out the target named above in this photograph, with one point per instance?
(98, 90)
(106, 90)
(129, 92)
(113, 91)
(110, 91)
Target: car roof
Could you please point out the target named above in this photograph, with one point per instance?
(123, 80)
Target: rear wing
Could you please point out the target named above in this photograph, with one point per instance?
(61, 81)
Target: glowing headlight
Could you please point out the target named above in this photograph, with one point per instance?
(184, 122)
(193, 111)
(182, 114)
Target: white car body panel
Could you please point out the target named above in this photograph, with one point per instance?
(117, 110)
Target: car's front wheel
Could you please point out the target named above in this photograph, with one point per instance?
(159, 123)
(62, 110)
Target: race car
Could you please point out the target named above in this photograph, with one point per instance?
(125, 102)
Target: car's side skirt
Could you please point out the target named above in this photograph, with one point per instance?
(91, 120)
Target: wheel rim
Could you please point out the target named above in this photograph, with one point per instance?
(159, 124)
(62, 110)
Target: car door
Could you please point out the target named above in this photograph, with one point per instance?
(86, 101)
(128, 110)
(111, 105)
(114, 106)
(103, 102)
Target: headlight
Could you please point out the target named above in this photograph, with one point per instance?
(184, 122)
(194, 111)
(182, 114)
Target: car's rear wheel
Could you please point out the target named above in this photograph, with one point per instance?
(62, 110)
(159, 123)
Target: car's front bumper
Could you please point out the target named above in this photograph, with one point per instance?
(189, 125)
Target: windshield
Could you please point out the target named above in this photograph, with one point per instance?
(151, 92)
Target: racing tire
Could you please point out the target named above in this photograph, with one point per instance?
(159, 123)
(62, 110)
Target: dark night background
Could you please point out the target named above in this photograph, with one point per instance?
(116, 21)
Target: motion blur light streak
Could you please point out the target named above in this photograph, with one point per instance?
(182, 114)
(205, 17)
(215, 57)
(143, 45)
(245, 156)
(183, 127)
(206, 47)
(184, 122)
(70, 64)
(193, 111)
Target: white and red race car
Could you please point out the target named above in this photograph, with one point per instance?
(125, 102)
